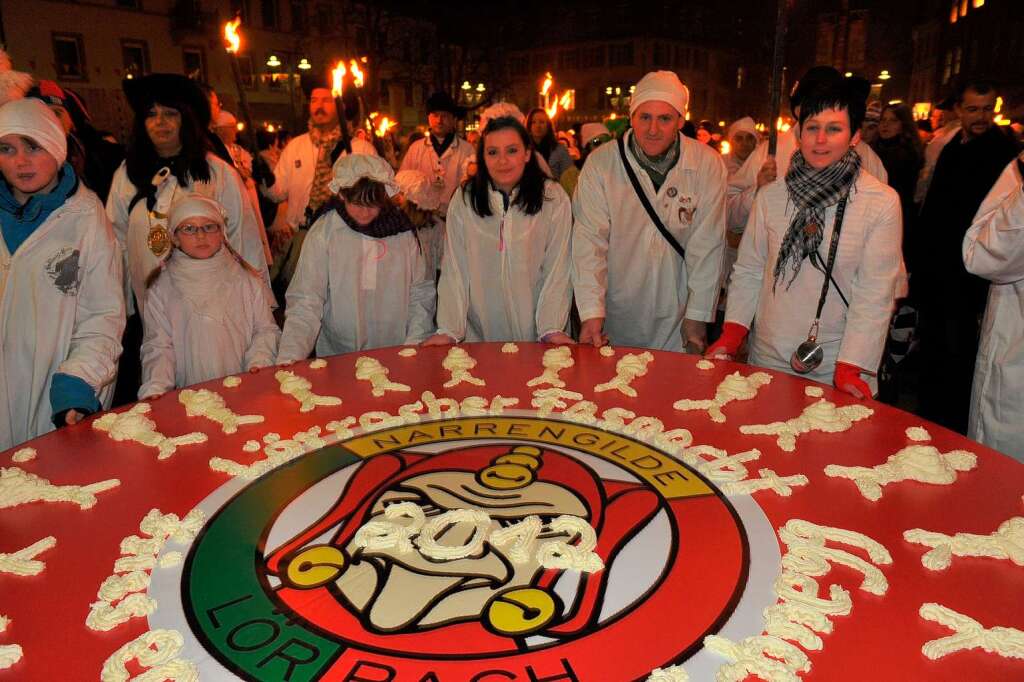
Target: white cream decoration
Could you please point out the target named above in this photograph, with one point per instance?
(808, 554)
(24, 455)
(969, 634)
(23, 561)
(731, 388)
(9, 653)
(705, 364)
(607, 351)
(554, 361)
(922, 463)
(821, 416)
(232, 382)
(814, 391)
(459, 363)
(547, 399)
(370, 369)
(1006, 542)
(769, 658)
(673, 673)
(20, 487)
(769, 480)
(156, 650)
(252, 446)
(629, 367)
(135, 426)
(509, 348)
(918, 434)
(319, 363)
(204, 403)
(407, 352)
(300, 389)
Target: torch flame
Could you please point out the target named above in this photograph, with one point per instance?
(357, 73)
(552, 111)
(385, 125)
(566, 100)
(231, 36)
(337, 76)
(548, 82)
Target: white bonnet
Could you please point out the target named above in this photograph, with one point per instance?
(501, 110)
(418, 189)
(351, 168)
(195, 206)
(33, 119)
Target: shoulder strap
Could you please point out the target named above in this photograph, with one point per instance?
(647, 204)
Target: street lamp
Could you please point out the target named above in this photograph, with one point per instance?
(304, 64)
(273, 62)
(884, 76)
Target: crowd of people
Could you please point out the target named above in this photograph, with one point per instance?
(864, 239)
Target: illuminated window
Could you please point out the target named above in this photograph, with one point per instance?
(979, 3)
(963, 8)
(954, 13)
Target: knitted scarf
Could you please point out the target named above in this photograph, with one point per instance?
(324, 143)
(656, 167)
(390, 221)
(811, 192)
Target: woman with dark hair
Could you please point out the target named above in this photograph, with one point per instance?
(169, 154)
(820, 260)
(505, 272)
(902, 153)
(542, 134)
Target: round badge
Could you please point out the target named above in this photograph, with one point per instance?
(158, 240)
(672, 191)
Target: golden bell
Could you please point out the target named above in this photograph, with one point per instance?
(520, 611)
(515, 469)
(314, 566)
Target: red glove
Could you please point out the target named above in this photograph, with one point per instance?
(728, 344)
(847, 379)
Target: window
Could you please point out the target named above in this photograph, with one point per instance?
(947, 69)
(268, 13)
(246, 71)
(963, 8)
(69, 56)
(620, 54)
(593, 57)
(569, 59)
(194, 63)
(298, 11)
(135, 57)
(957, 55)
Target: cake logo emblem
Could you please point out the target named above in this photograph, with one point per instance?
(469, 549)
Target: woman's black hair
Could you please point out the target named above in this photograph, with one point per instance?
(836, 95)
(142, 160)
(549, 141)
(530, 197)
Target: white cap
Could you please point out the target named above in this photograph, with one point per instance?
(225, 119)
(33, 119)
(195, 206)
(351, 168)
(418, 189)
(661, 86)
(745, 125)
(501, 110)
(591, 130)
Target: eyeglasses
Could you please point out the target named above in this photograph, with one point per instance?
(193, 230)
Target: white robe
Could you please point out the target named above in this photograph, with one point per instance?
(50, 324)
(505, 277)
(204, 319)
(623, 268)
(868, 268)
(994, 249)
(352, 292)
(293, 175)
(445, 172)
(225, 187)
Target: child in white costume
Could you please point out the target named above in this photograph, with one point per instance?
(61, 302)
(505, 272)
(207, 312)
(418, 200)
(361, 281)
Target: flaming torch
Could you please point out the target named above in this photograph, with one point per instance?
(337, 89)
(233, 43)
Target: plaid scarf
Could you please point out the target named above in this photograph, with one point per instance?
(811, 192)
(324, 143)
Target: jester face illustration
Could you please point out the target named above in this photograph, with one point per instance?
(501, 588)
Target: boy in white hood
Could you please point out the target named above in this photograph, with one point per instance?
(361, 281)
(61, 303)
(207, 311)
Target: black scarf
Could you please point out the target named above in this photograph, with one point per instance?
(811, 192)
(389, 222)
(441, 146)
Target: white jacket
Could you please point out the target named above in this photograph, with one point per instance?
(994, 249)
(225, 187)
(868, 268)
(293, 175)
(624, 270)
(204, 319)
(506, 277)
(352, 292)
(61, 310)
(445, 172)
(743, 183)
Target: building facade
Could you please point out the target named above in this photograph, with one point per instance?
(91, 47)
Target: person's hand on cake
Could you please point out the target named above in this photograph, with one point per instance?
(439, 339)
(728, 344)
(255, 369)
(73, 417)
(557, 339)
(695, 336)
(592, 331)
(847, 379)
